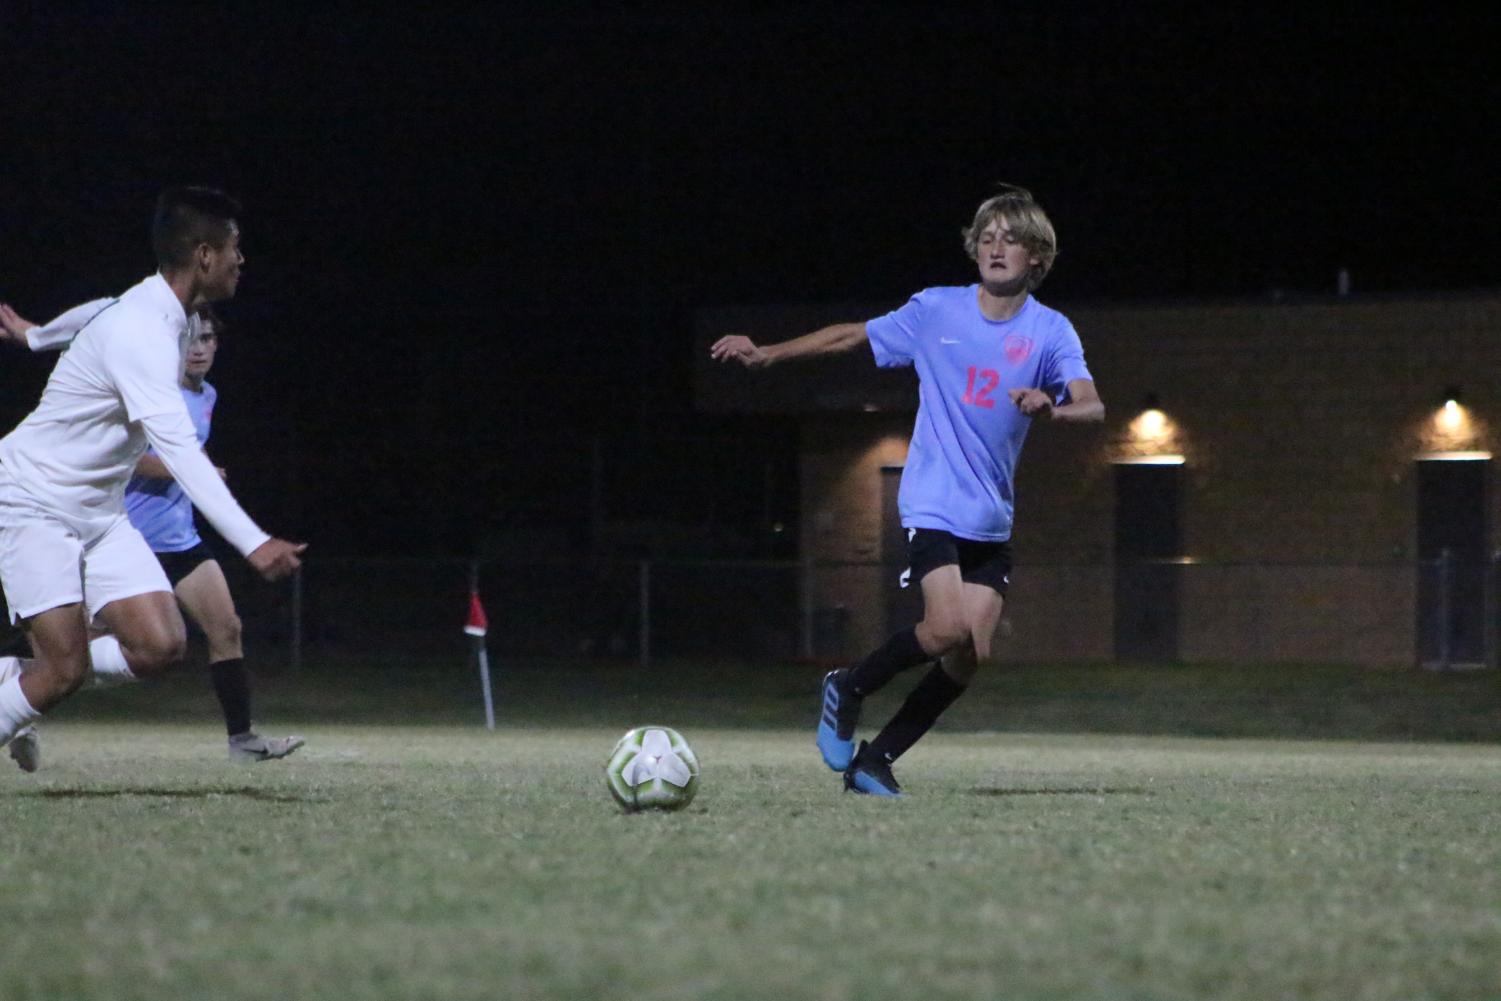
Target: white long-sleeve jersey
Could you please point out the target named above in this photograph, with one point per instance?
(114, 391)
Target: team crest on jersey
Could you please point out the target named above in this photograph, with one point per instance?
(1017, 348)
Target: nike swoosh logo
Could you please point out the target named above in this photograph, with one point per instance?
(946, 340)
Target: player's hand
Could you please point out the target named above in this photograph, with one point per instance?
(223, 473)
(738, 347)
(13, 325)
(276, 558)
(1032, 402)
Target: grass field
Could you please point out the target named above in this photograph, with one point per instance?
(406, 853)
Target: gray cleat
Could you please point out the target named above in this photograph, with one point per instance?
(249, 747)
(26, 749)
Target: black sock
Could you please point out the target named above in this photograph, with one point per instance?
(888, 660)
(933, 694)
(232, 685)
(16, 646)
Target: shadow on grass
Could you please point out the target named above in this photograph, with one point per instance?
(1081, 791)
(246, 792)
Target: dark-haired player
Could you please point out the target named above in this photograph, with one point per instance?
(69, 555)
(158, 507)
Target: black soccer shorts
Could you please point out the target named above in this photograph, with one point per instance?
(987, 563)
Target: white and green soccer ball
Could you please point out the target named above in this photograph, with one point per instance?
(652, 768)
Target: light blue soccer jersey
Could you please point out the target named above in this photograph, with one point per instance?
(159, 508)
(969, 434)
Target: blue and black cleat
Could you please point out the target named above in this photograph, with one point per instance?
(837, 719)
(870, 774)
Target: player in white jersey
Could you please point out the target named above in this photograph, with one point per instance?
(976, 349)
(163, 514)
(69, 556)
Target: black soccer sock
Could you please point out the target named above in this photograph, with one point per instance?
(232, 685)
(17, 645)
(888, 660)
(933, 694)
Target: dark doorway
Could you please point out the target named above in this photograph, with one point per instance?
(1148, 553)
(1452, 561)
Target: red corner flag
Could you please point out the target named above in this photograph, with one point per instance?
(476, 627)
(477, 624)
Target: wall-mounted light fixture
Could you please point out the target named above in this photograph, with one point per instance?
(1452, 417)
(1151, 425)
(1153, 436)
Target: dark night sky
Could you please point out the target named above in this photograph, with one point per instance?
(476, 238)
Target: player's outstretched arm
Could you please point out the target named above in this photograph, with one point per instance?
(56, 334)
(277, 558)
(173, 439)
(836, 339)
(272, 559)
(13, 326)
(1084, 405)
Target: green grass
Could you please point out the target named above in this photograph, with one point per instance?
(404, 855)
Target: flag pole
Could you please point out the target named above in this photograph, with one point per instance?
(475, 628)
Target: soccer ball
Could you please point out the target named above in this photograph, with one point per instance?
(652, 768)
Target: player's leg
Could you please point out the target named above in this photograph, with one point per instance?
(933, 562)
(204, 595)
(40, 559)
(145, 637)
(983, 574)
(127, 594)
(28, 688)
(983, 606)
(942, 685)
(65, 659)
(54, 584)
(25, 747)
(944, 626)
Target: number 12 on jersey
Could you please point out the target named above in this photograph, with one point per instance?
(988, 379)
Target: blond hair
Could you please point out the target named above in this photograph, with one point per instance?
(1019, 212)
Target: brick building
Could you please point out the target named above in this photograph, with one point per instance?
(1275, 481)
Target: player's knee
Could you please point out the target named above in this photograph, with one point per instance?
(947, 634)
(159, 650)
(68, 674)
(226, 631)
(62, 664)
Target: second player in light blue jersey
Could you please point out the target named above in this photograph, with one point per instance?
(990, 361)
(163, 513)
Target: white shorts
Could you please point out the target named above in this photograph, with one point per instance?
(44, 563)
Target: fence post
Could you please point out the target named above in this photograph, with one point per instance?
(295, 654)
(806, 640)
(644, 594)
(1490, 610)
(1443, 608)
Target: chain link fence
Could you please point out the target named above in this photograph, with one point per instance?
(1439, 613)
